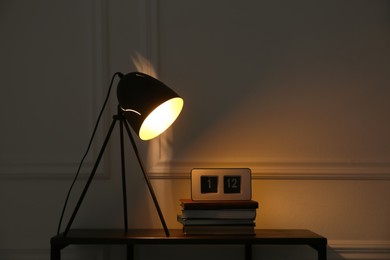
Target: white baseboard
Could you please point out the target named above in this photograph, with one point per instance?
(358, 249)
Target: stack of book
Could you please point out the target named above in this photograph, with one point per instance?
(218, 217)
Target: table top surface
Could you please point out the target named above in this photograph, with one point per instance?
(157, 236)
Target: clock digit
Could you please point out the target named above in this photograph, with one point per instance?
(232, 184)
(209, 184)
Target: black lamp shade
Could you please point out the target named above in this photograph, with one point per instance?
(149, 105)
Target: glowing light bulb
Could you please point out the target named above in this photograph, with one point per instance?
(161, 118)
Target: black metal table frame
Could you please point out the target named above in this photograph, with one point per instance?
(134, 237)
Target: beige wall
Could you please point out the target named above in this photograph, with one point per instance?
(295, 90)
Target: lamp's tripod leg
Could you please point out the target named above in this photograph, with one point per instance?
(88, 183)
(90, 177)
(147, 180)
(123, 175)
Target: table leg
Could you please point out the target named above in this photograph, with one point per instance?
(55, 253)
(130, 251)
(322, 253)
(321, 250)
(248, 251)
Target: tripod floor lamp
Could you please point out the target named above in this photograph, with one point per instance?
(149, 107)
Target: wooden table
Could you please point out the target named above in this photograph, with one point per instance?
(156, 236)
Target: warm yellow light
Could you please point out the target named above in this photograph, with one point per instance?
(161, 118)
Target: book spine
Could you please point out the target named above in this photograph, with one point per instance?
(220, 214)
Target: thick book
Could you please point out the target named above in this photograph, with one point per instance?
(219, 230)
(220, 214)
(212, 221)
(189, 204)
